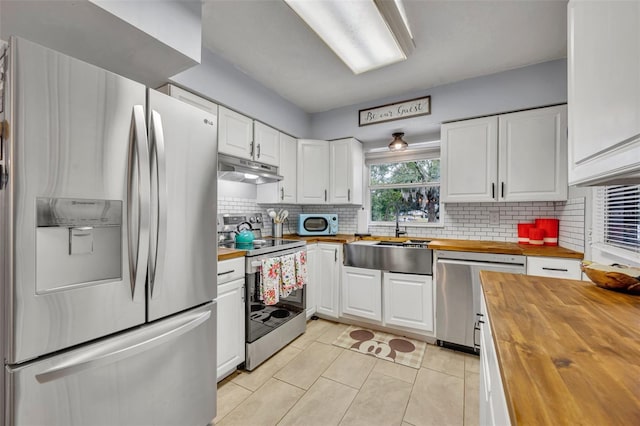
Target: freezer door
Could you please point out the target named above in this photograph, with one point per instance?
(159, 374)
(182, 263)
(76, 133)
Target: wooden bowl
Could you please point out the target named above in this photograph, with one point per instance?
(615, 277)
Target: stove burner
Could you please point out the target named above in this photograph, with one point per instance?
(280, 313)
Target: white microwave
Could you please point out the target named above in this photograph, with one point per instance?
(317, 224)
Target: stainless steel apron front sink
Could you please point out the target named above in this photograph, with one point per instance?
(408, 257)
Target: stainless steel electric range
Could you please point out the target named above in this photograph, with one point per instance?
(267, 328)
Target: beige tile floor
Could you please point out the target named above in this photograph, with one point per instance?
(311, 382)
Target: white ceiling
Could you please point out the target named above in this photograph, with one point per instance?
(455, 40)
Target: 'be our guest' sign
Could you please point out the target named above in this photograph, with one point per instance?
(397, 111)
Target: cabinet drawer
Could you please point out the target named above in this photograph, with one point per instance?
(554, 267)
(229, 270)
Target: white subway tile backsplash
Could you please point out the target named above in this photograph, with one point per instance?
(460, 220)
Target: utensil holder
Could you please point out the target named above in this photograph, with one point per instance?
(276, 230)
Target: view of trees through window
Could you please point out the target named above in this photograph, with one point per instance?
(410, 189)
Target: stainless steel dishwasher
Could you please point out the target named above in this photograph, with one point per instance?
(458, 293)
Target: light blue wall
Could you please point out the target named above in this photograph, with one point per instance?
(522, 88)
(220, 81)
(177, 23)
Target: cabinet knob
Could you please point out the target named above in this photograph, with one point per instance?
(348, 195)
(258, 155)
(282, 193)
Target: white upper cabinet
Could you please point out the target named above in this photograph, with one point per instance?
(235, 134)
(287, 188)
(532, 155)
(267, 144)
(604, 91)
(469, 160)
(190, 98)
(284, 191)
(345, 174)
(520, 156)
(330, 172)
(313, 171)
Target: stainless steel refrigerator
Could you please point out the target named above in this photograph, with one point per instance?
(108, 234)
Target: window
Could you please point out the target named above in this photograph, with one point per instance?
(408, 188)
(617, 218)
(622, 217)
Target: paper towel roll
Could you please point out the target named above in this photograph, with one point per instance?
(363, 221)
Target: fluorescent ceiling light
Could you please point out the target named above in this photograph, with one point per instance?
(365, 34)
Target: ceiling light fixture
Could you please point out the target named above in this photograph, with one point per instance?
(398, 144)
(365, 34)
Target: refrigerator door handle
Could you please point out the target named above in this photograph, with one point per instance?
(119, 349)
(159, 173)
(138, 203)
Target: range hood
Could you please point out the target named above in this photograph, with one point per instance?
(240, 170)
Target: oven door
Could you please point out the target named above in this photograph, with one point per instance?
(261, 318)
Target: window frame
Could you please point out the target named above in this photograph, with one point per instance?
(402, 157)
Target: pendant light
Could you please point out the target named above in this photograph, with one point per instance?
(397, 144)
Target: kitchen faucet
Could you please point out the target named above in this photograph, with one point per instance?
(398, 232)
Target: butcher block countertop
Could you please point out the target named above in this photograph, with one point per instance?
(434, 243)
(569, 352)
(227, 253)
(503, 248)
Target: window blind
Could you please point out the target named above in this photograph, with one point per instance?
(617, 217)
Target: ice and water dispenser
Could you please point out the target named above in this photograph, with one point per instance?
(78, 243)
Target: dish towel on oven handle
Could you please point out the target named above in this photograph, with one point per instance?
(288, 271)
(271, 276)
(301, 268)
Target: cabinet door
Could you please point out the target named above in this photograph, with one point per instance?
(469, 162)
(267, 144)
(312, 279)
(532, 151)
(190, 98)
(230, 325)
(313, 171)
(345, 173)
(288, 168)
(328, 261)
(235, 133)
(603, 89)
(362, 293)
(408, 300)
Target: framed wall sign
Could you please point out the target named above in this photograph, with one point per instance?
(395, 111)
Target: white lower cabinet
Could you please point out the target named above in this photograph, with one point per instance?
(312, 280)
(554, 267)
(231, 316)
(408, 300)
(327, 274)
(362, 293)
(493, 403)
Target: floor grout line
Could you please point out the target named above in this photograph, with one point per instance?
(467, 361)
